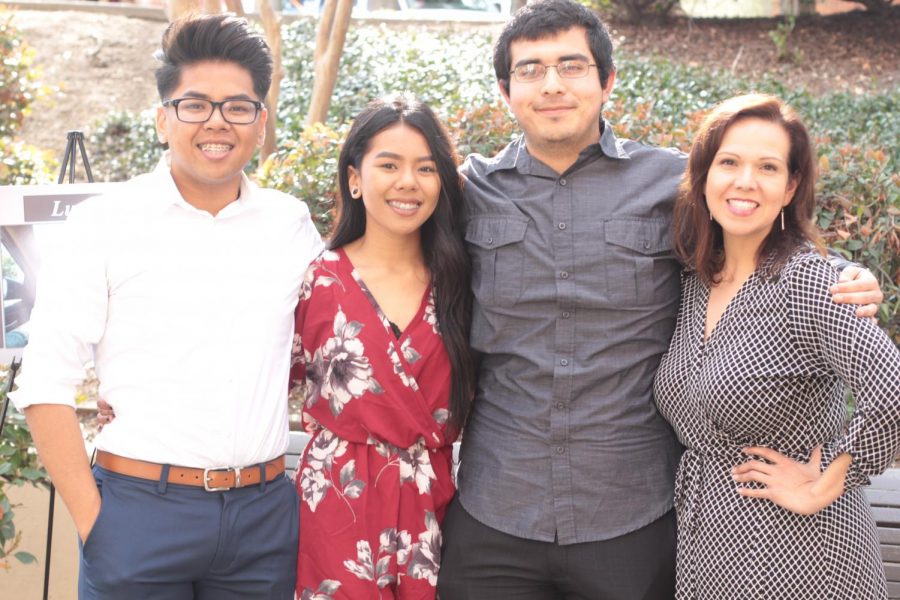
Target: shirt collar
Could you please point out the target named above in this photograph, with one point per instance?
(169, 194)
(516, 156)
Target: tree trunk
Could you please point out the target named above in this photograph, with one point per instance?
(271, 22)
(333, 26)
(235, 6)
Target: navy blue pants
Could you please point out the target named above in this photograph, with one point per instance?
(156, 540)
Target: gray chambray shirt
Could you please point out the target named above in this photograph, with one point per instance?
(576, 291)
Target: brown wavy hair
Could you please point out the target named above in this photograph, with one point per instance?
(698, 240)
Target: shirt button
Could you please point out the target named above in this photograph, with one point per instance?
(565, 314)
(564, 362)
(561, 226)
(560, 450)
(490, 240)
(562, 182)
(564, 274)
(560, 406)
(646, 245)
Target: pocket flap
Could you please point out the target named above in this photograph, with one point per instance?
(495, 232)
(646, 236)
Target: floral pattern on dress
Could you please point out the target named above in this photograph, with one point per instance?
(430, 315)
(414, 463)
(399, 370)
(421, 559)
(375, 479)
(325, 591)
(316, 478)
(339, 371)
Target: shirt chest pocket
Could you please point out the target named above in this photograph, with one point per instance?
(640, 266)
(498, 258)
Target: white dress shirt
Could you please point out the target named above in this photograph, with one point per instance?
(187, 317)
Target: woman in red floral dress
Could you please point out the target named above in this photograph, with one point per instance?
(381, 357)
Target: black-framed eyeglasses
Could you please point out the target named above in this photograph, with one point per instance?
(567, 69)
(199, 110)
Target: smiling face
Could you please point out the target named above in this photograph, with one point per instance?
(559, 116)
(398, 182)
(749, 182)
(207, 158)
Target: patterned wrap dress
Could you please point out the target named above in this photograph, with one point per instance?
(375, 479)
(771, 374)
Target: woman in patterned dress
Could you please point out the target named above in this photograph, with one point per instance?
(381, 355)
(768, 492)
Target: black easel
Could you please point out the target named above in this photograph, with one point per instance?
(74, 141)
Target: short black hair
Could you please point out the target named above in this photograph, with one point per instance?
(547, 18)
(219, 37)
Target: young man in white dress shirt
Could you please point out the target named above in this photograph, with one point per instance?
(181, 290)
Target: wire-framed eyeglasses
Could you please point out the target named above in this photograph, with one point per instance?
(567, 69)
(199, 110)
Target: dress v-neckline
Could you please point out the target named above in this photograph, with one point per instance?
(702, 315)
(373, 302)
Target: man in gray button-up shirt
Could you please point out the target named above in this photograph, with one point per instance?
(567, 470)
(565, 460)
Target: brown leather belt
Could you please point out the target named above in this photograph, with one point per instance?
(215, 479)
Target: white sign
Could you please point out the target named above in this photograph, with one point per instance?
(26, 216)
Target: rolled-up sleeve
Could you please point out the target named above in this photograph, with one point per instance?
(69, 315)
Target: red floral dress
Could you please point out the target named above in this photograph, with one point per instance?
(375, 479)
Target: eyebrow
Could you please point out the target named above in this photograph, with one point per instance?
(202, 96)
(395, 156)
(532, 61)
(773, 157)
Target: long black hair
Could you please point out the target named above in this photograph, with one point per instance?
(442, 234)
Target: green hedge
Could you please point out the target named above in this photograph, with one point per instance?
(655, 101)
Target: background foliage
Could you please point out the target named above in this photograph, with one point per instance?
(18, 466)
(20, 86)
(655, 101)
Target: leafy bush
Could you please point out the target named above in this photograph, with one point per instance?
(380, 60)
(22, 164)
(19, 87)
(306, 168)
(18, 466)
(123, 145)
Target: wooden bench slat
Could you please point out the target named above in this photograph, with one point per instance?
(883, 497)
(883, 486)
(889, 536)
(886, 515)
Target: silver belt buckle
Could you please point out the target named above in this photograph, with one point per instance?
(206, 472)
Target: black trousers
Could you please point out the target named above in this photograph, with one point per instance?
(481, 563)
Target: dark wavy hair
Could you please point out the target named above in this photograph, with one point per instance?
(698, 240)
(219, 37)
(547, 18)
(441, 235)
